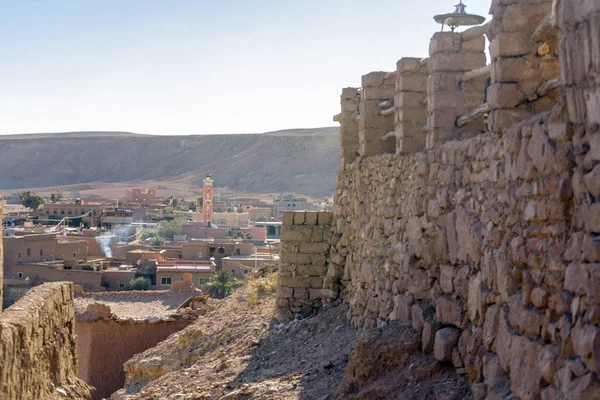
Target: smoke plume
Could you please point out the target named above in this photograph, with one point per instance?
(104, 242)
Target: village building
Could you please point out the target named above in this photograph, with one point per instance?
(140, 196)
(239, 266)
(171, 271)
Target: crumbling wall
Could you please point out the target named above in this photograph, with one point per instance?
(452, 54)
(348, 119)
(104, 345)
(38, 353)
(489, 244)
(377, 90)
(410, 116)
(304, 281)
(524, 53)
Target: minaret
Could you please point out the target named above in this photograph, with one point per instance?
(207, 197)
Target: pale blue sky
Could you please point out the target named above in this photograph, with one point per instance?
(198, 66)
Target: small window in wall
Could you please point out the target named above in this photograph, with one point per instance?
(28, 252)
(51, 252)
(200, 254)
(41, 252)
(203, 281)
(237, 252)
(121, 285)
(165, 281)
(221, 250)
(54, 212)
(70, 212)
(245, 271)
(233, 272)
(62, 212)
(74, 255)
(20, 274)
(19, 255)
(211, 250)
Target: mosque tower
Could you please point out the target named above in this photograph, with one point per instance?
(207, 205)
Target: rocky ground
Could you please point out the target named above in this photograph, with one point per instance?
(241, 350)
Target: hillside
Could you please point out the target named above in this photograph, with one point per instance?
(297, 160)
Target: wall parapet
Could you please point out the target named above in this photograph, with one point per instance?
(39, 356)
(304, 283)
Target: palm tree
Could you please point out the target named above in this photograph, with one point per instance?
(221, 284)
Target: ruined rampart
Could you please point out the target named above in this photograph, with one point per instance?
(303, 283)
(38, 353)
(104, 345)
(485, 239)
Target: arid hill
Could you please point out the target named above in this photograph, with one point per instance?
(297, 160)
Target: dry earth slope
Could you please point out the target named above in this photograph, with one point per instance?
(300, 160)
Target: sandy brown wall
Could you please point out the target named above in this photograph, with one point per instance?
(37, 347)
(104, 345)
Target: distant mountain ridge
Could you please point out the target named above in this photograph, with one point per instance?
(303, 161)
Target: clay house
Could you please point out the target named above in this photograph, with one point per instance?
(240, 266)
(255, 212)
(118, 277)
(90, 213)
(215, 250)
(171, 271)
(140, 196)
(141, 256)
(197, 230)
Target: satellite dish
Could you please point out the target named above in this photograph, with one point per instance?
(458, 18)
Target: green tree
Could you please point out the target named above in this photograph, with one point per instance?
(31, 200)
(200, 201)
(248, 235)
(221, 284)
(192, 205)
(55, 197)
(148, 233)
(158, 240)
(139, 283)
(261, 218)
(168, 229)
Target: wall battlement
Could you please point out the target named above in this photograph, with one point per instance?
(303, 284)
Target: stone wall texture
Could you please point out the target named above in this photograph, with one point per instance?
(451, 54)
(38, 357)
(489, 243)
(524, 53)
(304, 282)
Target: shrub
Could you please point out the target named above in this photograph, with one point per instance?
(139, 283)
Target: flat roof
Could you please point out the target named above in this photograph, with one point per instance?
(185, 268)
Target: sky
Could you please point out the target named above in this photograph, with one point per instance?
(198, 66)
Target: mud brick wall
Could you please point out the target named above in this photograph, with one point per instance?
(451, 55)
(305, 282)
(376, 87)
(410, 114)
(524, 54)
(39, 356)
(348, 120)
